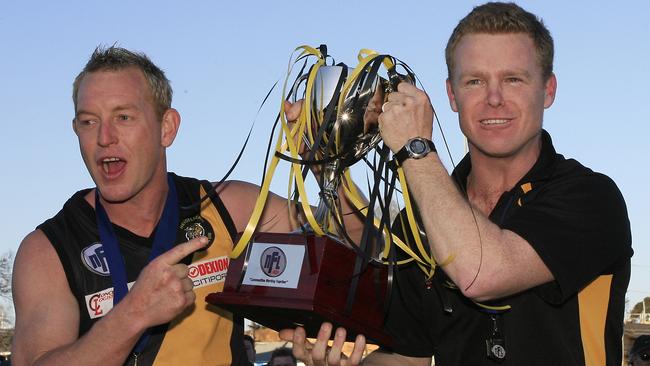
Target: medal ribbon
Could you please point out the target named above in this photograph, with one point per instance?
(164, 239)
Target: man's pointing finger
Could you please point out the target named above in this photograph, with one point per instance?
(177, 253)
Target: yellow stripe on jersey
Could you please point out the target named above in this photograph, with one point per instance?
(201, 335)
(593, 302)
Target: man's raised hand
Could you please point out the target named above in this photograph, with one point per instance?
(319, 353)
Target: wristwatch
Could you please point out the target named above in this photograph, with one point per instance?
(416, 148)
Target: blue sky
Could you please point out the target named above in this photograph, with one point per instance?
(222, 57)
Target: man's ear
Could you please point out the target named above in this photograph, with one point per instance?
(171, 121)
(549, 90)
(74, 126)
(451, 96)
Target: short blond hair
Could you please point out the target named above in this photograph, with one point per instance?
(116, 58)
(499, 18)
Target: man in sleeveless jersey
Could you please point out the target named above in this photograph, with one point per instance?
(65, 291)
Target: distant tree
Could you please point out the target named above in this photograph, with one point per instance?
(6, 336)
(6, 326)
(6, 264)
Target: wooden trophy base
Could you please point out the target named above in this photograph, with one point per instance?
(312, 286)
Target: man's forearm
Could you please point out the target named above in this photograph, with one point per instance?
(108, 342)
(379, 358)
(454, 229)
(487, 262)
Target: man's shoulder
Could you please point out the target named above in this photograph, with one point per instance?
(37, 250)
(226, 191)
(556, 168)
(571, 171)
(237, 187)
(238, 196)
(187, 180)
(34, 241)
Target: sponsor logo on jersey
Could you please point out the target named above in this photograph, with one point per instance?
(195, 226)
(101, 302)
(208, 272)
(273, 261)
(94, 258)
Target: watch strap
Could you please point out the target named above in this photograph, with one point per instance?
(405, 153)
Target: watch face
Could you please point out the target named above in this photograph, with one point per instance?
(417, 146)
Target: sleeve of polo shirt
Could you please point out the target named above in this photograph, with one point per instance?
(579, 227)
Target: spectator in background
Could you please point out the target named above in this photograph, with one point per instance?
(282, 356)
(640, 351)
(249, 346)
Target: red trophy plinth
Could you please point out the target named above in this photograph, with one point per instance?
(286, 280)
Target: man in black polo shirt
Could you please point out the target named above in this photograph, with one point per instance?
(541, 245)
(527, 228)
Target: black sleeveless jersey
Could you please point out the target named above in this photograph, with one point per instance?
(201, 335)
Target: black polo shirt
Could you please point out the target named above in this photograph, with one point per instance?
(577, 222)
